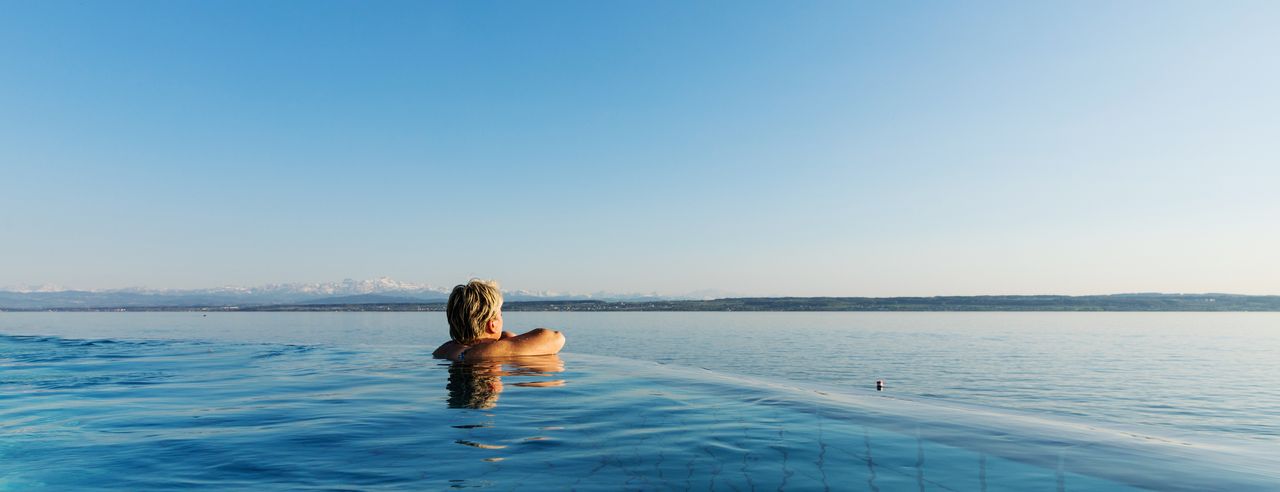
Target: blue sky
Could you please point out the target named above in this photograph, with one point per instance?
(758, 148)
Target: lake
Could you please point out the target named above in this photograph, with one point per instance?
(997, 401)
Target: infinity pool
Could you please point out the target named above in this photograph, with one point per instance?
(165, 414)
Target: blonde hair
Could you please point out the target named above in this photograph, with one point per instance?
(471, 306)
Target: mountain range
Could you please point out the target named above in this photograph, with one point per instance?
(381, 290)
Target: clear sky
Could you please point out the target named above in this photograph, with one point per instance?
(759, 148)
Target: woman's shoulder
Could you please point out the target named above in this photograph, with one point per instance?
(449, 350)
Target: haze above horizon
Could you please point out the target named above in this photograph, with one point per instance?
(759, 148)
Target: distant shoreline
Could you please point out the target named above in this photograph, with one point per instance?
(1100, 303)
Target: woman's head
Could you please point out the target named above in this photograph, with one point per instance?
(472, 308)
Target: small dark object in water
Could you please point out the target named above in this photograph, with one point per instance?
(879, 385)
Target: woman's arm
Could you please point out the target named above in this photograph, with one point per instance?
(540, 341)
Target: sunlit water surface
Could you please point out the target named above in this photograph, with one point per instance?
(974, 401)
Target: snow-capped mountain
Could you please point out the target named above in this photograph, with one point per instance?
(347, 291)
(46, 297)
(347, 287)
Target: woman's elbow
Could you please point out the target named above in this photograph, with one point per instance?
(552, 338)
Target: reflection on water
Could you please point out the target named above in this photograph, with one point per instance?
(474, 385)
(477, 384)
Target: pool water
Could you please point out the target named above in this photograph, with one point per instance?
(139, 414)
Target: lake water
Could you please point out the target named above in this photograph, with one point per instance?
(974, 401)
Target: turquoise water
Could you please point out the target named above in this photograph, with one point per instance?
(160, 401)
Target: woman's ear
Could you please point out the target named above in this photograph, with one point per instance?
(492, 326)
